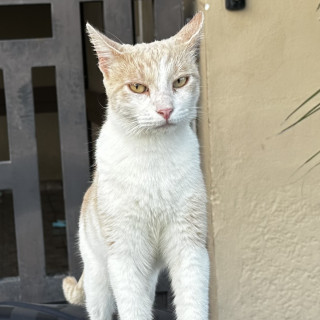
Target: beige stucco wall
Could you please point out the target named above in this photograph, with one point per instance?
(257, 66)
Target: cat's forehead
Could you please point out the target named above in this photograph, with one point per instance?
(155, 49)
(148, 60)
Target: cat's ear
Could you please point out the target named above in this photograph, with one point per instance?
(107, 50)
(190, 34)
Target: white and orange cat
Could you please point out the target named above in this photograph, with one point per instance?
(146, 207)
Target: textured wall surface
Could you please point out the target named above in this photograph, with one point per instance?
(257, 66)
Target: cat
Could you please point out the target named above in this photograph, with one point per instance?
(146, 207)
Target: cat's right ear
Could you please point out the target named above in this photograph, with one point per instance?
(107, 50)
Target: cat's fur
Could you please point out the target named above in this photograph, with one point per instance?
(146, 207)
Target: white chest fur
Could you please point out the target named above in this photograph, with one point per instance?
(154, 174)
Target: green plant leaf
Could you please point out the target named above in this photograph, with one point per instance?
(316, 165)
(302, 104)
(308, 160)
(308, 114)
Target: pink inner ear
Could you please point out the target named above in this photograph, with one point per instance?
(103, 63)
(192, 28)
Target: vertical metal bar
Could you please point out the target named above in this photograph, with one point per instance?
(168, 18)
(143, 17)
(6, 175)
(72, 118)
(118, 21)
(140, 21)
(25, 180)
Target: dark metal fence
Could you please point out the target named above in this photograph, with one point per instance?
(64, 51)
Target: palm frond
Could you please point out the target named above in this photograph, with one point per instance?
(308, 160)
(313, 167)
(308, 114)
(302, 104)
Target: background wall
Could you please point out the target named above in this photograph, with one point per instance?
(257, 66)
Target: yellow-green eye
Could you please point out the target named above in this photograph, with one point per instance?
(179, 83)
(137, 87)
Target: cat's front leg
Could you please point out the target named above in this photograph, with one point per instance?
(131, 279)
(188, 264)
(99, 302)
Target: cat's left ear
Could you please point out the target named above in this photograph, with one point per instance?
(190, 34)
(107, 50)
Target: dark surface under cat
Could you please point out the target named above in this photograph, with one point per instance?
(30, 311)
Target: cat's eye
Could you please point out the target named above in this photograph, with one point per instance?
(138, 88)
(179, 83)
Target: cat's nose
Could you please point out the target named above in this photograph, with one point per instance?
(165, 113)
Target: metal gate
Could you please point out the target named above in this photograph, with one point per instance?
(20, 174)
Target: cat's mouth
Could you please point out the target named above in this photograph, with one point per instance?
(166, 125)
(158, 125)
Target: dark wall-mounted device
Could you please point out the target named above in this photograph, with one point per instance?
(234, 5)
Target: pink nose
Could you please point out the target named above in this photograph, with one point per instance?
(165, 113)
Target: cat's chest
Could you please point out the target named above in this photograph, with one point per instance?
(150, 176)
(154, 179)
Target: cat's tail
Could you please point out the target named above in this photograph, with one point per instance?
(73, 290)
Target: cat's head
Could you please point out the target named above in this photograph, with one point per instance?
(151, 87)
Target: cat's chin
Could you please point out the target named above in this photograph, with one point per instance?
(160, 128)
(165, 125)
(159, 125)
(168, 126)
